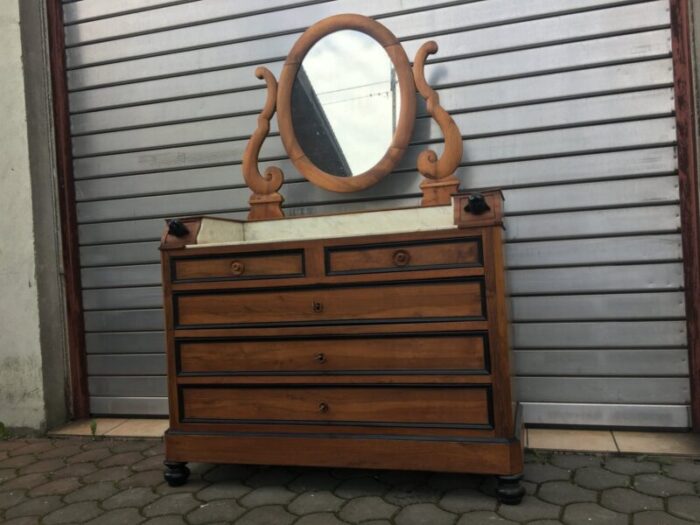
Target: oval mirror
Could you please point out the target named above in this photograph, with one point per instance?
(346, 103)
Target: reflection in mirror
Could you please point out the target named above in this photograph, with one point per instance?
(345, 103)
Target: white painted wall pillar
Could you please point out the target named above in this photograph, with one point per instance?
(32, 343)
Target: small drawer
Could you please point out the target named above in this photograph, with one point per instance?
(439, 254)
(243, 266)
(454, 406)
(397, 302)
(419, 353)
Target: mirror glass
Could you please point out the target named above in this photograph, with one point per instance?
(345, 103)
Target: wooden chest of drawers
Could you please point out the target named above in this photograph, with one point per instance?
(379, 351)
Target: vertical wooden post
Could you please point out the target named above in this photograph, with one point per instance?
(688, 188)
(80, 407)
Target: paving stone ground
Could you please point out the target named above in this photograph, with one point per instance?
(104, 482)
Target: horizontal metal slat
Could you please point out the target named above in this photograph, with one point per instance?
(125, 342)
(132, 406)
(607, 362)
(120, 254)
(597, 279)
(623, 221)
(628, 362)
(126, 364)
(74, 12)
(670, 390)
(115, 298)
(204, 85)
(452, 18)
(619, 164)
(126, 18)
(197, 80)
(633, 105)
(600, 334)
(581, 252)
(141, 275)
(578, 140)
(654, 190)
(610, 415)
(549, 59)
(655, 305)
(541, 389)
(128, 386)
(124, 320)
(576, 308)
(614, 250)
(638, 416)
(668, 276)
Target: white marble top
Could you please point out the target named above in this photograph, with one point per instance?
(221, 232)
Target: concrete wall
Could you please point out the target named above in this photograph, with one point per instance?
(32, 374)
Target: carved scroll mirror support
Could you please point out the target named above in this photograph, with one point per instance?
(329, 157)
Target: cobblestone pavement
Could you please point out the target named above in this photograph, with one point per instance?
(104, 482)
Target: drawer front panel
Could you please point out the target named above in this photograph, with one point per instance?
(452, 253)
(419, 353)
(380, 303)
(408, 406)
(244, 266)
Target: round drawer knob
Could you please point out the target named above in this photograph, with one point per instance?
(237, 268)
(320, 358)
(317, 306)
(401, 257)
(323, 408)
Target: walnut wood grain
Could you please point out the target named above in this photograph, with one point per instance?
(453, 406)
(247, 266)
(465, 352)
(363, 352)
(420, 301)
(479, 456)
(367, 259)
(439, 170)
(266, 202)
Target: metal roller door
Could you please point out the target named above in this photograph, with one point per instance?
(566, 104)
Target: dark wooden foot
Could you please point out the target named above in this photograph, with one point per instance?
(176, 473)
(509, 490)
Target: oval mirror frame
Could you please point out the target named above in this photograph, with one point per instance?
(407, 113)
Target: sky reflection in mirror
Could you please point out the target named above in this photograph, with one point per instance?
(345, 103)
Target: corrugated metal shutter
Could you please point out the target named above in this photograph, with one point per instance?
(566, 104)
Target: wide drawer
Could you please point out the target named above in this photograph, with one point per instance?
(418, 255)
(453, 406)
(396, 302)
(463, 352)
(239, 267)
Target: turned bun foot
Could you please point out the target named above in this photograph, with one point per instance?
(509, 490)
(176, 473)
